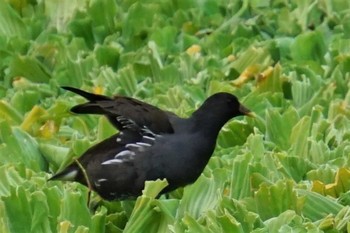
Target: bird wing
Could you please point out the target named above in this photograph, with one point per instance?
(123, 112)
(117, 176)
(115, 152)
(132, 149)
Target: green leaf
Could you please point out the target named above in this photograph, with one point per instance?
(108, 55)
(10, 114)
(133, 28)
(29, 68)
(103, 15)
(294, 167)
(279, 126)
(272, 200)
(150, 215)
(10, 177)
(271, 80)
(127, 81)
(23, 101)
(238, 216)
(40, 220)
(11, 24)
(61, 12)
(165, 38)
(153, 188)
(299, 137)
(235, 133)
(76, 70)
(18, 202)
(317, 206)
(74, 209)
(54, 154)
(22, 148)
(208, 191)
(252, 57)
(194, 226)
(239, 180)
(289, 221)
(309, 46)
(98, 221)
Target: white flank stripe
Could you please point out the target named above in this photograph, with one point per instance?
(149, 138)
(143, 144)
(124, 153)
(112, 161)
(132, 145)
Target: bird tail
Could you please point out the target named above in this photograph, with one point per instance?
(87, 95)
(92, 107)
(88, 108)
(68, 174)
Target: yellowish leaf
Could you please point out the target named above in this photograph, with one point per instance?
(33, 116)
(193, 50)
(48, 129)
(340, 185)
(247, 74)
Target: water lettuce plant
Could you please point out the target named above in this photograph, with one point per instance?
(287, 170)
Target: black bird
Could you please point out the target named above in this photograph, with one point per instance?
(151, 144)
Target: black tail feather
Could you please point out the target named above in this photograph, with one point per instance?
(88, 108)
(86, 95)
(92, 107)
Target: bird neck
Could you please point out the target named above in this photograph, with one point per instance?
(208, 123)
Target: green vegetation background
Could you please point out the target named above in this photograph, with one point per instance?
(288, 61)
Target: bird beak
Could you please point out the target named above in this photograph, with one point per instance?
(246, 111)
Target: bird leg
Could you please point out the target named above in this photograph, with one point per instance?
(86, 179)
